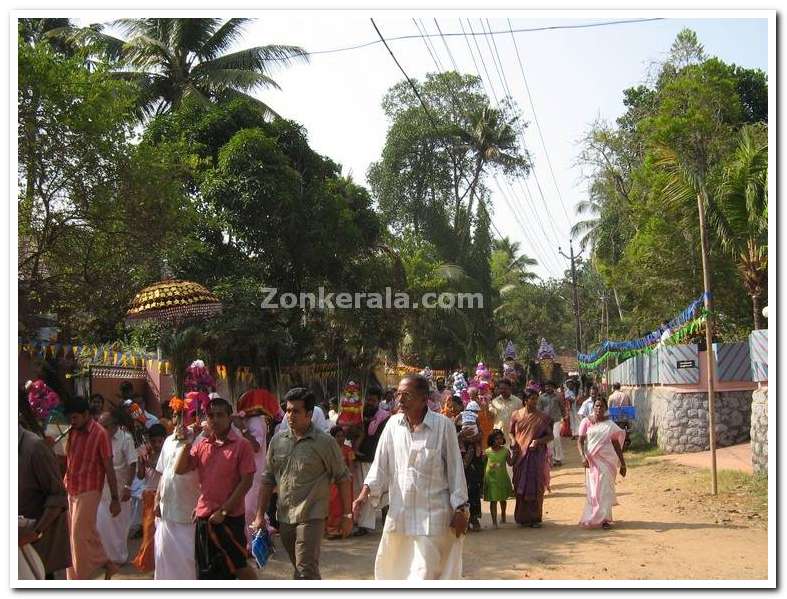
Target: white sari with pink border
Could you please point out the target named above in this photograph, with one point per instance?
(600, 476)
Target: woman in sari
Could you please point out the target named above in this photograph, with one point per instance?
(601, 459)
(531, 431)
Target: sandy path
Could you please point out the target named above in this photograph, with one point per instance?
(668, 527)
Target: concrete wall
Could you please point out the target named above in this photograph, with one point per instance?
(759, 431)
(677, 422)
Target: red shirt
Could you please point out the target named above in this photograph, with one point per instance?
(86, 451)
(220, 465)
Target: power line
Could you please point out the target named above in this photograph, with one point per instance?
(412, 85)
(429, 46)
(423, 105)
(487, 82)
(541, 253)
(538, 125)
(501, 73)
(445, 43)
(456, 34)
(529, 200)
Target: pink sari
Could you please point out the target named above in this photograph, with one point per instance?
(600, 476)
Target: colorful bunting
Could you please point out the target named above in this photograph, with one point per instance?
(650, 339)
(687, 330)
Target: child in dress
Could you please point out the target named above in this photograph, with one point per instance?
(334, 520)
(497, 484)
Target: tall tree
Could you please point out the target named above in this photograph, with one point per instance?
(432, 170)
(173, 59)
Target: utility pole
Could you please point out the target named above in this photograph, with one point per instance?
(709, 356)
(574, 285)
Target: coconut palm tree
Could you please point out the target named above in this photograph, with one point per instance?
(740, 219)
(516, 263)
(737, 208)
(489, 137)
(175, 59)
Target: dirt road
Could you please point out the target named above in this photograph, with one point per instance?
(667, 527)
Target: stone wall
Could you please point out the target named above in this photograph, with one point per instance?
(678, 422)
(759, 431)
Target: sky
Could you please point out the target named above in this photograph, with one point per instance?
(574, 76)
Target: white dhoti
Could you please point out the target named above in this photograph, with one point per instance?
(419, 557)
(258, 428)
(173, 545)
(574, 419)
(367, 518)
(114, 531)
(557, 443)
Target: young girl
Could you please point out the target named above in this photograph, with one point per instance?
(333, 523)
(497, 484)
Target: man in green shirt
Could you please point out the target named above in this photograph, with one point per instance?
(303, 462)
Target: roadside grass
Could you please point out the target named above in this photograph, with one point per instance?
(640, 451)
(735, 484)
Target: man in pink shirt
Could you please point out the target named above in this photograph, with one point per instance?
(224, 462)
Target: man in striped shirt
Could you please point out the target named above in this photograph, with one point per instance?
(88, 461)
(419, 464)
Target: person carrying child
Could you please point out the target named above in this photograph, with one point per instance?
(468, 420)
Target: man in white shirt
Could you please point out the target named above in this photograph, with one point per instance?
(114, 531)
(176, 500)
(419, 464)
(586, 409)
(502, 407)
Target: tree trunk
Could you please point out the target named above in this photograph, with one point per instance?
(755, 302)
(617, 302)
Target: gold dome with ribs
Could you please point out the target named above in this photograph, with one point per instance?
(173, 300)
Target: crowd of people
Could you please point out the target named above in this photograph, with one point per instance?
(211, 480)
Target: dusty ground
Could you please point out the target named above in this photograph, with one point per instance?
(668, 526)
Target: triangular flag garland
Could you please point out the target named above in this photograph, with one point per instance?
(94, 355)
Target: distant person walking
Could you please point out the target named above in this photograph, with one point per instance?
(419, 464)
(502, 408)
(553, 406)
(532, 431)
(602, 459)
(586, 409)
(375, 419)
(88, 463)
(618, 398)
(303, 461)
(224, 462)
(114, 529)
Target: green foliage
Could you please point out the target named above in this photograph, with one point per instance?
(430, 187)
(171, 60)
(677, 140)
(95, 211)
